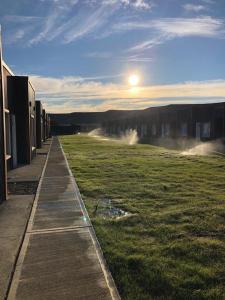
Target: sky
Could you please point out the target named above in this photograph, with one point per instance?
(79, 54)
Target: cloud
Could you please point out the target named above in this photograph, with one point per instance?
(20, 27)
(201, 26)
(92, 22)
(136, 4)
(150, 43)
(142, 4)
(129, 58)
(137, 58)
(170, 28)
(69, 20)
(77, 94)
(20, 19)
(47, 28)
(98, 55)
(208, 1)
(194, 8)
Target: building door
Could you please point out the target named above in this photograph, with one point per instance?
(198, 131)
(13, 141)
(218, 128)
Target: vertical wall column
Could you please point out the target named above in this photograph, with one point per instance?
(3, 166)
(44, 125)
(39, 124)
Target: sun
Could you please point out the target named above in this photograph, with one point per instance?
(133, 80)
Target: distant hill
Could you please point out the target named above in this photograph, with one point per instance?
(91, 120)
(87, 121)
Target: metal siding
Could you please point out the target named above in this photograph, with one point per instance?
(3, 166)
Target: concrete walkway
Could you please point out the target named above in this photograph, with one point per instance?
(60, 257)
(14, 215)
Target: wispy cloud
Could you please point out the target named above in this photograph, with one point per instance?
(113, 57)
(201, 26)
(139, 4)
(20, 19)
(142, 4)
(47, 28)
(189, 7)
(69, 20)
(92, 22)
(20, 27)
(148, 44)
(77, 94)
(99, 55)
(137, 58)
(170, 28)
(208, 1)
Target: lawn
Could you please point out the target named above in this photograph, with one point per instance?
(172, 246)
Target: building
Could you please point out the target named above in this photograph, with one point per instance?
(20, 132)
(178, 123)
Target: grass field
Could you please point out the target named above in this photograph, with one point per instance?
(173, 246)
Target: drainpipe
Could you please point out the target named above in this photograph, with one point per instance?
(3, 165)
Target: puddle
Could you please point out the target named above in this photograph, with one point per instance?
(22, 187)
(106, 209)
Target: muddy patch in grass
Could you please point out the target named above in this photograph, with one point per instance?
(106, 208)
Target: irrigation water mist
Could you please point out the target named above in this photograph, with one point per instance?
(206, 148)
(96, 133)
(191, 146)
(130, 137)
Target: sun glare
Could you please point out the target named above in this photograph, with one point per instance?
(133, 80)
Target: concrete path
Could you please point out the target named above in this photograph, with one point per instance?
(14, 216)
(60, 256)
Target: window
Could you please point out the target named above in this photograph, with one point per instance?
(153, 129)
(206, 130)
(198, 130)
(162, 130)
(184, 129)
(8, 133)
(143, 130)
(167, 129)
(32, 131)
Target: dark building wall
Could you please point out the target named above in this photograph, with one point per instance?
(64, 129)
(178, 122)
(44, 125)
(48, 127)
(22, 100)
(39, 124)
(90, 120)
(3, 167)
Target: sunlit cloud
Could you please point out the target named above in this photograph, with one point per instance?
(75, 94)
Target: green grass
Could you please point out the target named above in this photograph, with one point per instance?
(173, 247)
